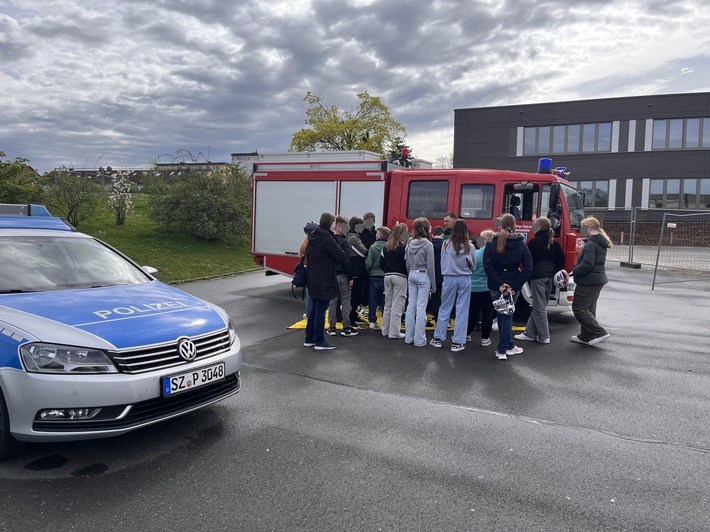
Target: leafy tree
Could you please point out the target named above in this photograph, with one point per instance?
(18, 183)
(119, 198)
(209, 205)
(369, 126)
(74, 197)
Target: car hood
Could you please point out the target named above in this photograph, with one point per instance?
(116, 317)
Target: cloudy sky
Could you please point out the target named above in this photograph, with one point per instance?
(125, 82)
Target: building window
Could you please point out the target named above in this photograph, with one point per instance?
(595, 193)
(574, 138)
(681, 133)
(679, 193)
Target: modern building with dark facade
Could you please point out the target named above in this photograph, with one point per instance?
(641, 151)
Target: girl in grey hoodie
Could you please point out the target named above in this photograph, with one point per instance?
(458, 260)
(421, 281)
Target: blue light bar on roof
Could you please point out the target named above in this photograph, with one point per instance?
(544, 166)
(25, 209)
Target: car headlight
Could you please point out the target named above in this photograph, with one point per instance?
(51, 358)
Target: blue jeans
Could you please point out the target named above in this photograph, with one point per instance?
(505, 325)
(315, 326)
(456, 289)
(415, 321)
(376, 298)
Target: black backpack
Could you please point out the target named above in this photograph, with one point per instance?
(299, 276)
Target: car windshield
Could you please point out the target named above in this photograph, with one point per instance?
(575, 206)
(45, 263)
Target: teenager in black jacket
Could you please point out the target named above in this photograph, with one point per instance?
(548, 258)
(323, 254)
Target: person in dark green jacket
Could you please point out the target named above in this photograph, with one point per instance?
(376, 297)
(590, 277)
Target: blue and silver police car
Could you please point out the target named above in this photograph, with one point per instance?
(91, 344)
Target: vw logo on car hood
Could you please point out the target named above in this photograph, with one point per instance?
(187, 349)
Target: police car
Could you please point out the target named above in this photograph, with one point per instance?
(91, 344)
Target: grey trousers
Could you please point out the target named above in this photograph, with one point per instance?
(584, 306)
(537, 326)
(344, 291)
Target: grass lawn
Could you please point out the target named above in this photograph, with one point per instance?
(177, 257)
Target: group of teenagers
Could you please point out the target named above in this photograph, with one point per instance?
(443, 271)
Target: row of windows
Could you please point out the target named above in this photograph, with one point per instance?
(679, 193)
(674, 193)
(681, 133)
(575, 138)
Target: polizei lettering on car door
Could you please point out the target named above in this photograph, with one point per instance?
(139, 309)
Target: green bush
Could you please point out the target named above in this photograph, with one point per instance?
(209, 206)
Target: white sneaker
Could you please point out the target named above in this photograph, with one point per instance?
(578, 340)
(501, 356)
(495, 326)
(595, 341)
(545, 341)
(458, 347)
(373, 325)
(515, 351)
(396, 336)
(485, 341)
(524, 337)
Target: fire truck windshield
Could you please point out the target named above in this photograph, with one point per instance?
(575, 206)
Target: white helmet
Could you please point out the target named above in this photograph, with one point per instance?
(560, 279)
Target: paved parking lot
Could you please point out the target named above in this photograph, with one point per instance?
(377, 435)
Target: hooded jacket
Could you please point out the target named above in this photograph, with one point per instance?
(457, 262)
(504, 268)
(323, 254)
(372, 262)
(420, 256)
(590, 269)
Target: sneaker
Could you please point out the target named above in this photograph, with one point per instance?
(515, 351)
(545, 341)
(501, 356)
(348, 331)
(435, 342)
(331, 331)
(396, 336)
(485, 341)
(595, 341)
(324, 346)
(373, 325)
(494, 327)
(458, 347)
(578, 340)
(309, 343)
(524, 337)
(468, 337)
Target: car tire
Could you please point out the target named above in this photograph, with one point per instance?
(9, 446)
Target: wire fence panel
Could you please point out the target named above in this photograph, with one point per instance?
(642, 237)
(683, 251)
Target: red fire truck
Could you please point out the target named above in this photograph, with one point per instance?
(288, 194)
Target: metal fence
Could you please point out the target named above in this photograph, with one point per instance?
(675, 243)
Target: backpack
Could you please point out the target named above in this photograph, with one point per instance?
(299, 275)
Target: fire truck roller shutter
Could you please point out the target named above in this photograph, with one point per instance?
(359, 197)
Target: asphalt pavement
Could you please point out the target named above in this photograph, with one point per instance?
(378, 435)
